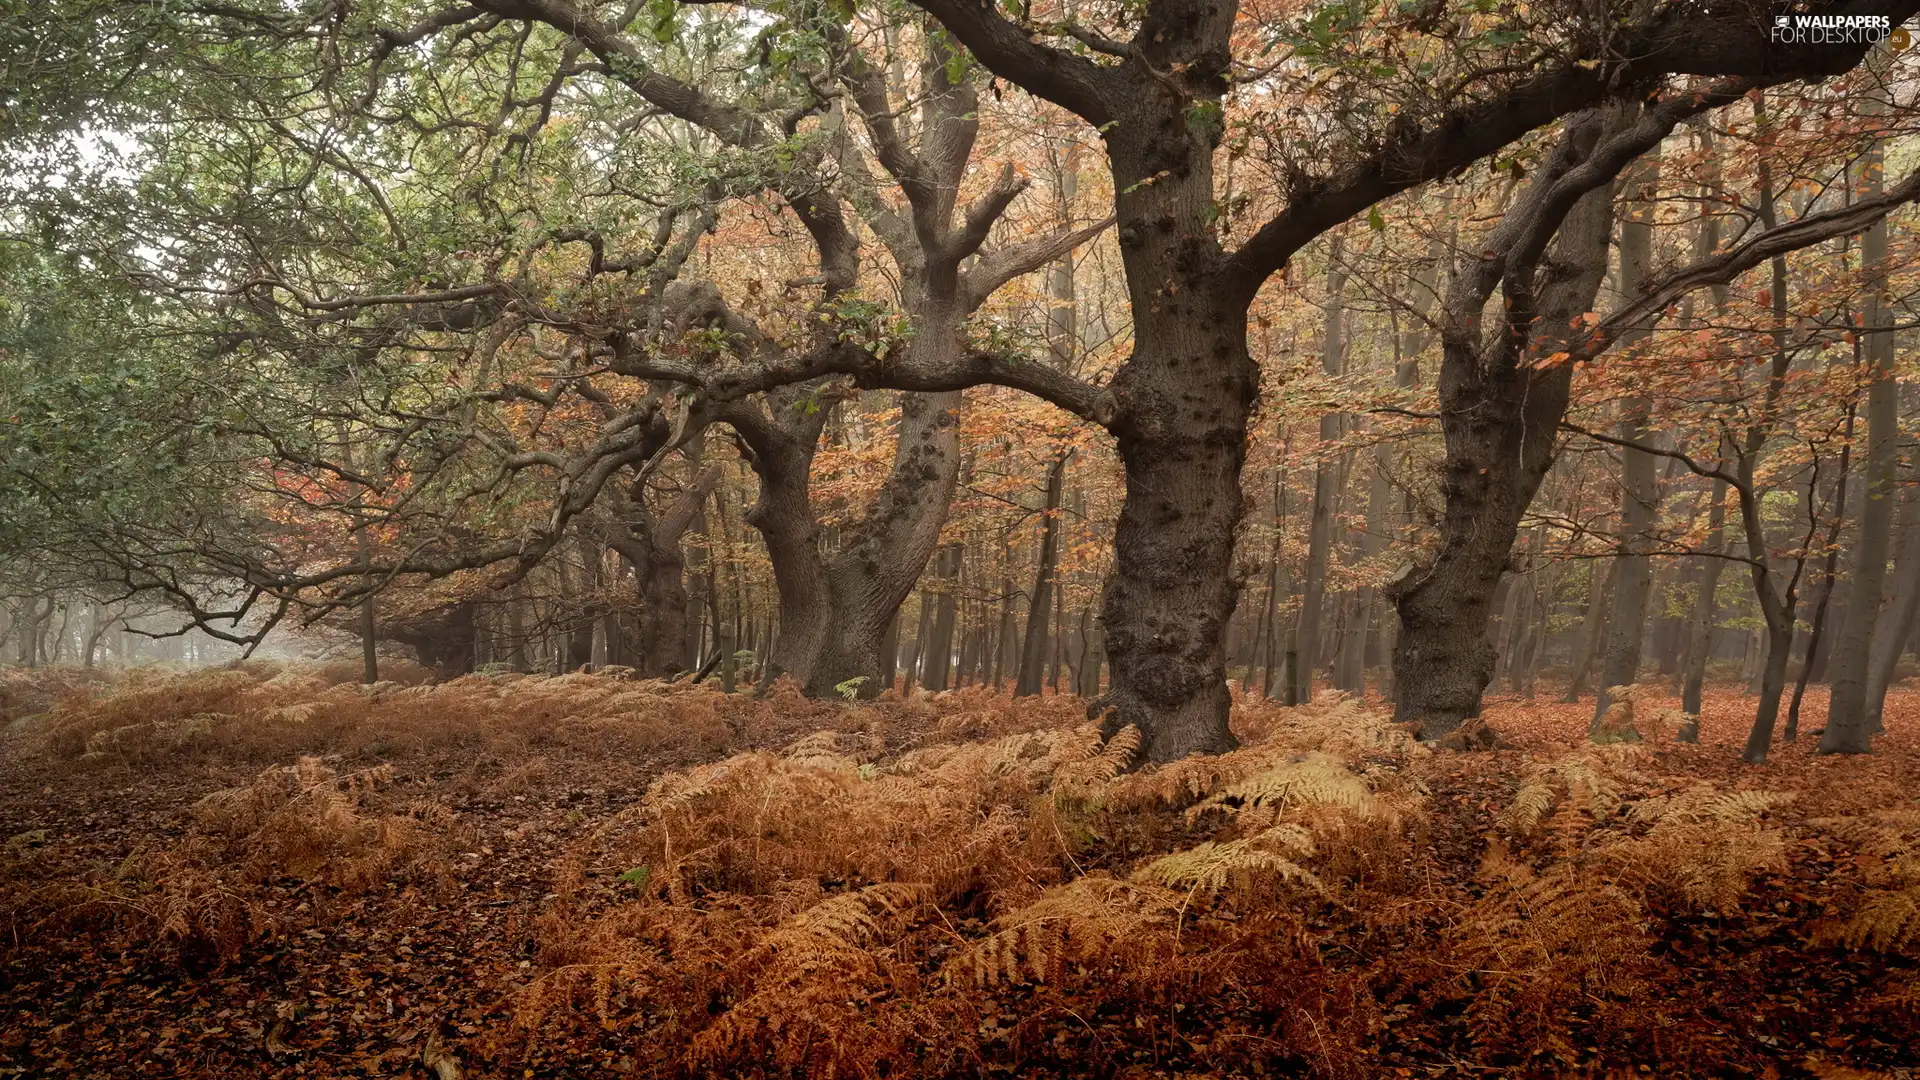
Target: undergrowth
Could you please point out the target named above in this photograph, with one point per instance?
(962, 885)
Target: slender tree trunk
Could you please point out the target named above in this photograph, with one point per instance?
(1848, 714)
(1700, 625)
(890, 652)
(1507, 598)
(1543, 622)
(916, 653)
(517, 628)
(936, 670)
(1004, 659)
(1639, 479)
(1593, 629)
(1897, 621)
(1817, 631)
(1093, 653)
(1777, 607)
(96, 630)
(1773, 681)
(1033, 652)
(1524, 627)
(1372, 544)
(1325, 480)
(1057, 643)
(1278, 581)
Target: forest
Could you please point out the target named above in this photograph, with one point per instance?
(876, 538)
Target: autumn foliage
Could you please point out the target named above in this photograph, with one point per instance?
(954, 884)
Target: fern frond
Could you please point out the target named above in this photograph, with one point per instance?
(1744, 807)
(1311, 779)
(1529, 807)
(1082, 778)
(1887, 921)
(842, 925)
(1089, 921)
(1210, 867)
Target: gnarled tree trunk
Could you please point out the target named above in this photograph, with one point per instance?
(1500, 416)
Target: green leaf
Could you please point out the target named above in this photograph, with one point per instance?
(1374, 220)
(637, 876)
(664, 13)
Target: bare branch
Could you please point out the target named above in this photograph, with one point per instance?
(997, 267)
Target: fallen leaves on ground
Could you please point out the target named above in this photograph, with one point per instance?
(264, 873)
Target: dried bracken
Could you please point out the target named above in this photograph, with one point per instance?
(917, 887)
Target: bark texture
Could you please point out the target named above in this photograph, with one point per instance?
(1500, 414)
(1849, 713)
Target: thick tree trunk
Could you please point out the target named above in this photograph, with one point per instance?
(664, 642)
(870, 578)
(1166, 607)
(1500, 416)
(443, 640)
(834, 612)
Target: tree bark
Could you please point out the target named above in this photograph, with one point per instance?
(937, 668)
(1325, 480)
(1639, 478)
(1004, 659)
(1093, 653)
(1896, 623)
(1500, 417)
(1593, 630)
(649, 540)
(1190, 388)
(890, 652)
(1849, 727)
(1279, 582)
(1700, 624)
(1816, 632)
(1033, 650)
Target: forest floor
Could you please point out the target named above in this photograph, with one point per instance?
(253, 873)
